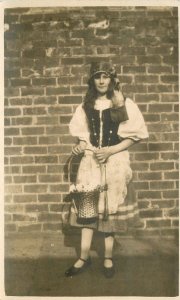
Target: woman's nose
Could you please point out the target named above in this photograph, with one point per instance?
(101, 79)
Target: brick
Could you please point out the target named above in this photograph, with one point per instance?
(169, 156)
(32, 131)
(149, 195)
(12, 208)
(56, 207)
(38, 188)
(59, 110)
(47, 120)
(11, 92)
(79, 89)
(30, 228)
(150, 59)
(12, 150)
(11, 131)
(32, 91)
(53, 217)
(7, 179)
(55, 168)
(35, 150)
(175, 223)
(156, 213)
(170, 98)
(57, 90)
(57, 130)
(163, 203)
(158, 50)
(161, 166)
(167, 59)
(12, 112)
(12, 170)
(159, 128)
(150, 176)
(33, 169)
(24, 179)
(59, 188)
(25, 198)
(158, 223)
(134, 89)
(146, 79)
(18, 160)
(45, 100)
(22, 121)
(7, 141)
(19, 217)
(7, 218)
(20, 82)
(34, 53)
(133, 69)
(36, 207)
(170, 232)
(164, 185)
(68, 140)
(159, 88)
(48, 140)
(52, 226)
(20, 101)
(11, 73)
(34, 111)
(152, 118)
(25, 141)
(69, 80)
(141, 185)
(159, 69)
(139, 166)
(146, 97)
(169, 78)
(10, 227)
(65, 119)
(146, 156)
(72, 61)
(169, 137)
(70, 100)
(170, 194)
(7, 122)
(160, 147)
(43, 81)
(46, 159)
(171, 175)
(59, 149)
(49, 198)
(170, 117)
(49, 178)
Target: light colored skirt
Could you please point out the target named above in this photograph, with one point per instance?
(122, 206)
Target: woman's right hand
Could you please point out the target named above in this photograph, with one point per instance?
(78, 149)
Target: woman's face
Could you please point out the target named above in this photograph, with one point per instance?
(102, 81)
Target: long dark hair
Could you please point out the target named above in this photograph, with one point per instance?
(91, 95)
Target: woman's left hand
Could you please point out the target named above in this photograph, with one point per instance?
(102, 154)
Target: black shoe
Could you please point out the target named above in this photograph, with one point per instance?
(75, 271)
(108, 271)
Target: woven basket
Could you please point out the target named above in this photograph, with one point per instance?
(85, 203)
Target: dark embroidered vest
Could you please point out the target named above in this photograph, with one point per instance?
(110, 128)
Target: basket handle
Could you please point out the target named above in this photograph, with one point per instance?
(69, 168)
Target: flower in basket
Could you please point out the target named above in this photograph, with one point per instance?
(79, 188)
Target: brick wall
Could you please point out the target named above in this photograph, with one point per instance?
(47, 52)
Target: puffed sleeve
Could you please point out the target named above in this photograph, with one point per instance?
(134, 128)
(78, 126)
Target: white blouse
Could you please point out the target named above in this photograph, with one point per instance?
(133, 128)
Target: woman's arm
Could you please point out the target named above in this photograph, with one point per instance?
(103, 153)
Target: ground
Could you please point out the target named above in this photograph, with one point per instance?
(35, 264)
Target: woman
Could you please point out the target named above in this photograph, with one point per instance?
(106, 125)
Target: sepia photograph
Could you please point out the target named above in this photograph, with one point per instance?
(91, 197)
